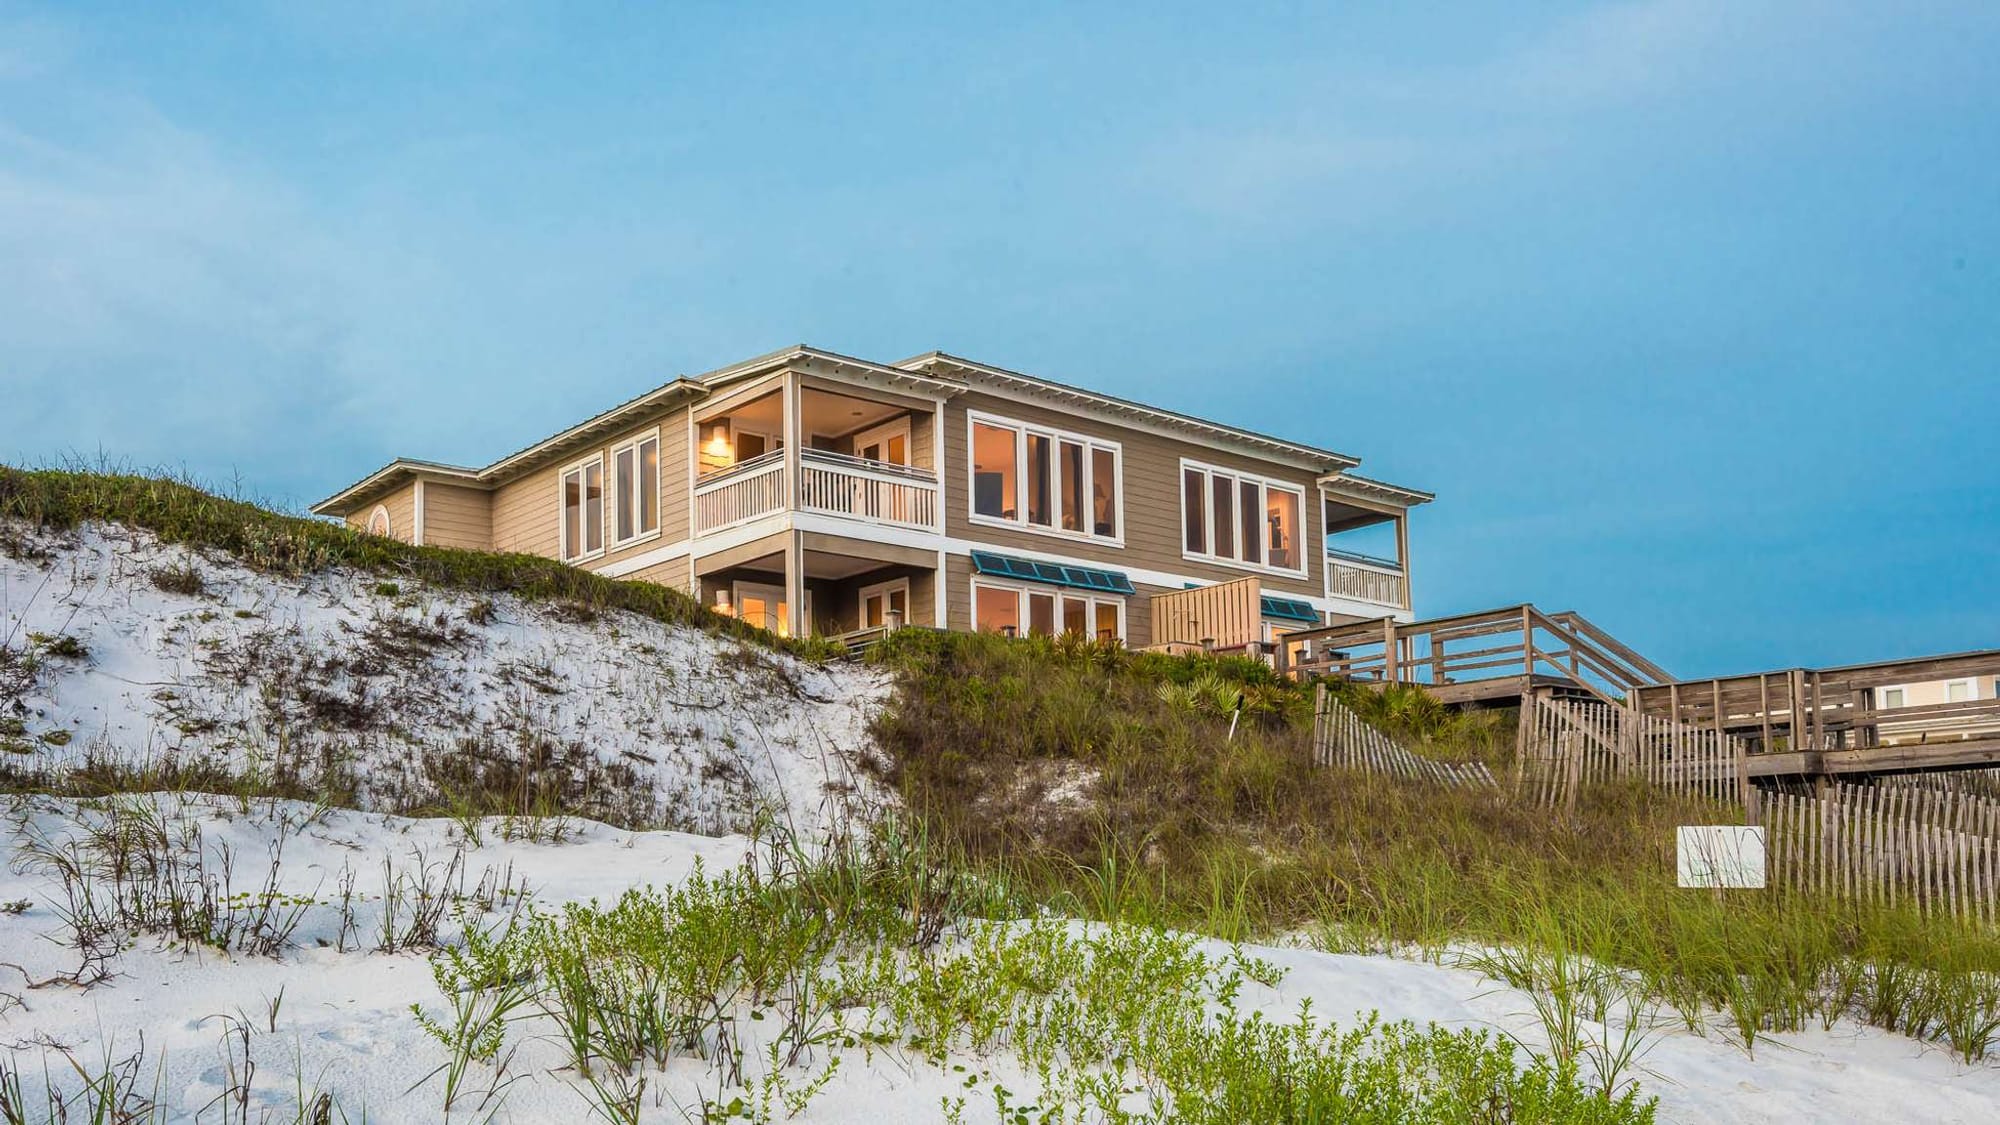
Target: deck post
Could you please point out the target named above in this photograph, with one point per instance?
(1389, 669)
(1527, 647)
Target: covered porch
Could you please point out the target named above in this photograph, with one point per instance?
(1367, 545)
(863, 448)
(840, 585)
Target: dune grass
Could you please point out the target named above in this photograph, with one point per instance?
(1160, 816)
(179, 511)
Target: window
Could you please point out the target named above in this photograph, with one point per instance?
(1892, 698)
(763, 605)
(583, 509)
(635, 480)
(1041, 508)
(994, 478)
(1194, 511)
(1073, 470)
(1031, 477)
(885, 604)
(1958, 691)
(378, 521)
(1104, 500)
(1237, 518)
(996, 610)
(1003, 608)
(1281, 514)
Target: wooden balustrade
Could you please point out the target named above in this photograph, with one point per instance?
(829, 483)
(839, 485)
(1374, 583)
(744, 492)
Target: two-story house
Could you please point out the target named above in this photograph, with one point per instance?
(809, 490)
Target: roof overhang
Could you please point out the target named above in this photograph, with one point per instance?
(388, 477)
(1347, 486)
(1125, 410)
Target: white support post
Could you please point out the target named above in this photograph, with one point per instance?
(1403, 558)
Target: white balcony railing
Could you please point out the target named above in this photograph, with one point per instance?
(829, 483)
(740, 493)
(838, 485)
(1366, 580)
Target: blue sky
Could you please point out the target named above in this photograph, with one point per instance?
(1689, 312)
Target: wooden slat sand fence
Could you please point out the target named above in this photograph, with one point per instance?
(1887, 844)
(1343, 738)
(1567, 745)
(1980, 782)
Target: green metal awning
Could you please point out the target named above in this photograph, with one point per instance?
(1290, 609)
(1054, 574)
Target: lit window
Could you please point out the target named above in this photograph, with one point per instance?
(583, 509)
(1001, 608)
(1238, 518)
(1041, 613)
(1281, 511)
(994, 479)
(996, 609)
(1036, 478)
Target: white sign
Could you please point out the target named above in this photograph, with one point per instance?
(1721, 855)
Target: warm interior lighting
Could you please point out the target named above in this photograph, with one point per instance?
(718, 439)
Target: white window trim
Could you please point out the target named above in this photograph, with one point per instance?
(1882, 696)
(1021, 431)
(884, 432)
(1264, 484)
(884, 589)
(618, 501)
(388, 522)
(1971, 689)
(1021, 590)
(562, 509)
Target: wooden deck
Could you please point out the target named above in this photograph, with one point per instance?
(1487, 657)
(1796, 722)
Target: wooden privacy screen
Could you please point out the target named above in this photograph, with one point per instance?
(1230, 615)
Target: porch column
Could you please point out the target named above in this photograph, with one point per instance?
(1403, 557)
(795, 585)
(793, 402)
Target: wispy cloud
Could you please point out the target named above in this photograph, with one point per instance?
(146, 250)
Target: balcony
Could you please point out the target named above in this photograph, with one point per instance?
(832, 484)
(1363, 579)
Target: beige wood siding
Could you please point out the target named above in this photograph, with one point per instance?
(525, 515)
(527, 512)
(402, 507)
(922, 426)
(673, 574)
(457, 516)
(1151, 516)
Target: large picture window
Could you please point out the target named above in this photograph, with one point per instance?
(635, 483)
(583, 509)
(999, 607)
(1237, 518)
(1044, 479)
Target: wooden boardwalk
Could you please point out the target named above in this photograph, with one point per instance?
(1799, 722)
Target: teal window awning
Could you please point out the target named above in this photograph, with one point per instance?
(1290, 609)
(1053, 574)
